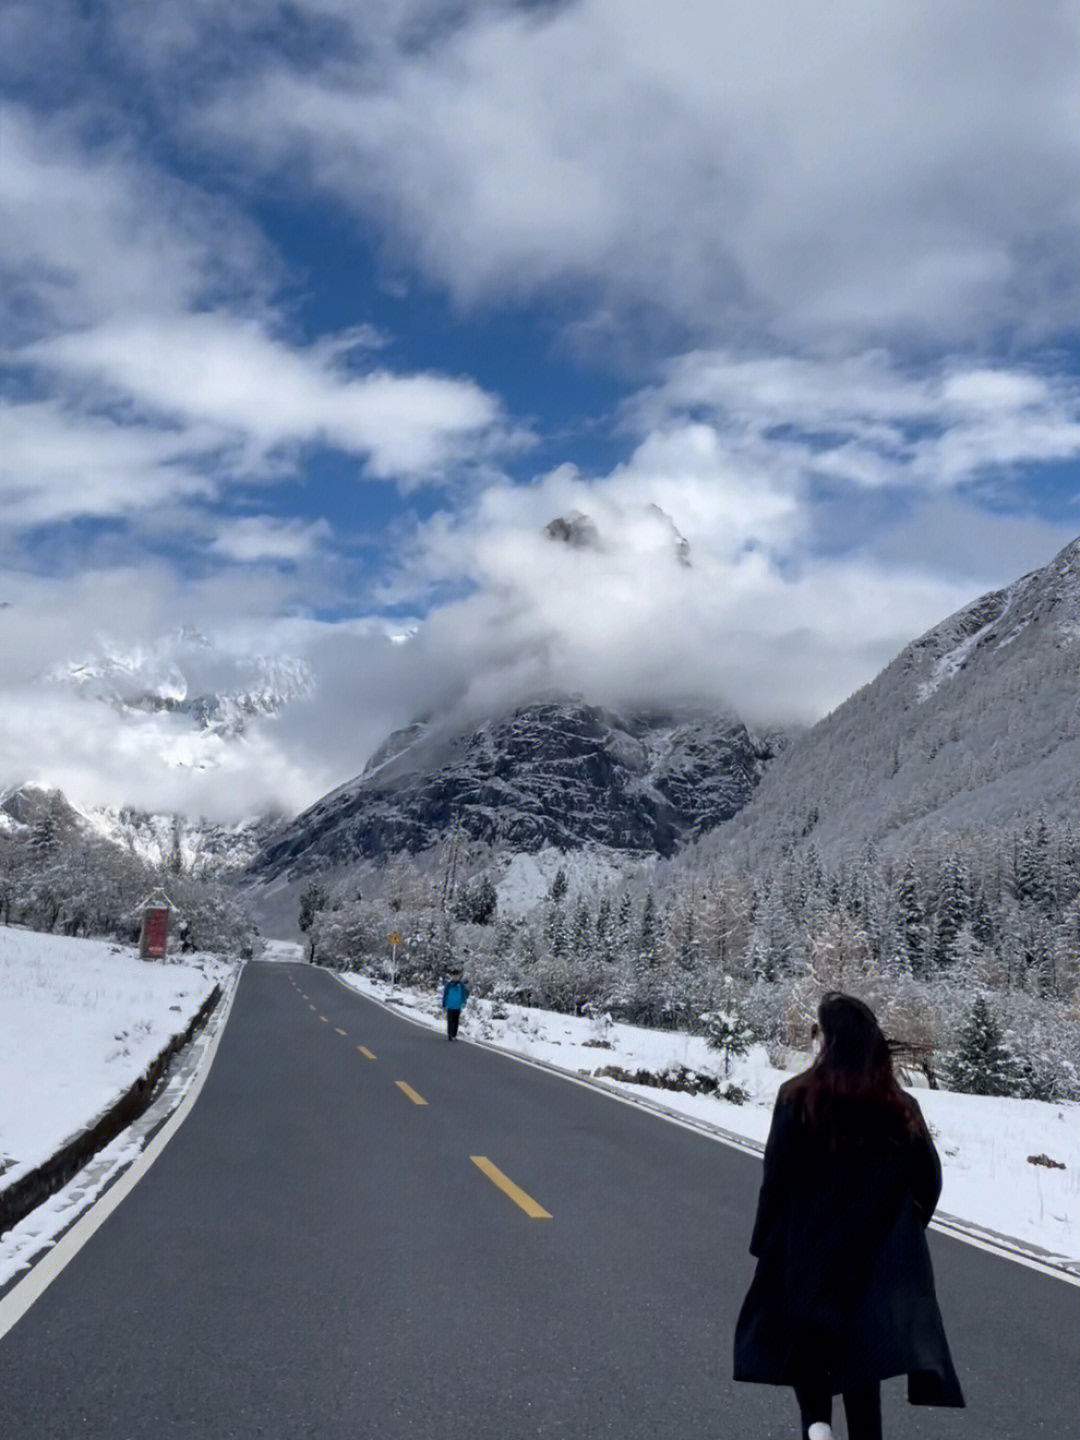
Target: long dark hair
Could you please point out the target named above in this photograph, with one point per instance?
(851, 1090)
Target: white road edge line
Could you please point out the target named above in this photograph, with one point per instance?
(949, 1225)
(21, 1296)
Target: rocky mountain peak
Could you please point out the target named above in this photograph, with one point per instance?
(557, 772)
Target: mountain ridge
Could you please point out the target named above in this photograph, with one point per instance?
(977, 721)
(560, 773)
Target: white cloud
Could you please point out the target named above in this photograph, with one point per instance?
(868, 420)
(91, 231)
(263, 537)
(882, 171)
(626, 623)
(56, 464)
(139, 313)
(226, 372)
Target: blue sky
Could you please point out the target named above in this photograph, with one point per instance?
(314, 315)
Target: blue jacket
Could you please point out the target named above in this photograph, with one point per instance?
(454, 995)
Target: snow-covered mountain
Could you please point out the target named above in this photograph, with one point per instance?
(197, 846)
(185, 674)
(976, 722)
(559, 773)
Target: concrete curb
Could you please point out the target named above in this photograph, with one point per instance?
(39, 1184)
(1059, 1267)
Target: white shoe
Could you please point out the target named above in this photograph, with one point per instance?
(820, 1431)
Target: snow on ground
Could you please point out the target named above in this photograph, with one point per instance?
(80, 1021)
(984, 1143)
(282, 952)
(528, 877)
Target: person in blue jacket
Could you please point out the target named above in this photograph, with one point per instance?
(455, 993)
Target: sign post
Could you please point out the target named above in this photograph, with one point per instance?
(395, 939)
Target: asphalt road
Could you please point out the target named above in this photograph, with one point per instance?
(317, 1254)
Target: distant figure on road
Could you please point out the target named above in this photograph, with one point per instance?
(454, 995)
(843, 1295)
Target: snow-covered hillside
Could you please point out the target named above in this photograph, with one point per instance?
(976, 722)
(177, 842)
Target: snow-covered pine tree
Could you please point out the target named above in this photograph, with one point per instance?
(648, 935)
(559, 886)
(728, 1032)
(911, 920)
(581, 933)
(953, 908)
(981, 1063)
(604, 922)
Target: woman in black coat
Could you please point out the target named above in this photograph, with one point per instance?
(843, 1295)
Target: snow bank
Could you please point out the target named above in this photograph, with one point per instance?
(80, 1021)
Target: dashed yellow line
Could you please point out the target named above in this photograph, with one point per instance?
(410, 1092)
(365, 1051)
(507, 1186)
(310, 1006)
(324, 1020)
(339, 1032)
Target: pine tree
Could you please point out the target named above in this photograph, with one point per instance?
(312, 901)
(1032, 879)
(982, 1064)
(559, 886)
(603, 928)
(555, 930)
(911, 922)
(728, 1032)
(622, 930)
(953, 909)
(648, 935)
(581, 932)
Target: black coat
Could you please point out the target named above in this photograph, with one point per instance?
(843, 1261)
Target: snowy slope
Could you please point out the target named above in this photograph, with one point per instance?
(198, 846)
(975, 722)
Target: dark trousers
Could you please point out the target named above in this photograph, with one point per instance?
(814, 1370)
(452, 1019)
(862, 1407)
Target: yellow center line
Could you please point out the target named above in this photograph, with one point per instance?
(339, 1032)
(365, 1051)
(324, 1020)
(410, 1092)
(310, 1006)
(507, 1186)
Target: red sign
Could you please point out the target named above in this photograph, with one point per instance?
(155, 933)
